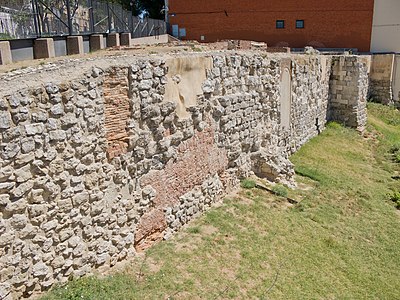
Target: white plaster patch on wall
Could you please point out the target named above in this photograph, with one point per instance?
(185, 78)
(286, 98)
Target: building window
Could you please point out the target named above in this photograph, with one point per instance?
(182, 32)
(299, 23)
(280, 24)
(175, 31)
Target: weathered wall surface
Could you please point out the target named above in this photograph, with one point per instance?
(381, 78)
(349, 90)
(96, 168)
(396, 80)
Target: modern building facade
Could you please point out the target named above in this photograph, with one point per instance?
(386, 26)
(291, 23)
(385, 40)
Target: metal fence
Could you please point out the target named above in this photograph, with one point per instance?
(42, 18)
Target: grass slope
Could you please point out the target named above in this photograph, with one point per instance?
(340, 242)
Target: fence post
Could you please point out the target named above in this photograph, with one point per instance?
(131, 21)
(69, 17)
(108, 18)
(131, 4)
(35, 15)
(39, 21)
(91, 16)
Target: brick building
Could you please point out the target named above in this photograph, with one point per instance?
(293, 23)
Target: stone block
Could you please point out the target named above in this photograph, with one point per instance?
(43, 48)
(5, 53)
(75, 45)
(126, 39)
(96, 42)
(113, 40)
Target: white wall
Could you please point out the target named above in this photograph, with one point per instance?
(152, 40)
(386, 26)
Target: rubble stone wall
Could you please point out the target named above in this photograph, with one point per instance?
(97, 168)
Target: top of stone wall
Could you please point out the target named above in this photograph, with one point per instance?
(71, 69)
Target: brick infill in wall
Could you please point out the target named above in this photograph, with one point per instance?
(198, 158)
(117, 111)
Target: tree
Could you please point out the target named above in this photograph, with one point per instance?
(150, 8)
(51, 12)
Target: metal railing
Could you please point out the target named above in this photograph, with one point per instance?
(21, 19)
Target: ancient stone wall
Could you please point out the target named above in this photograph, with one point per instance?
(99, 167)
(348, 91)
(381, 78)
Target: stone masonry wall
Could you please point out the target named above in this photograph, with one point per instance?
(97, 168)
(381, 78)
(348, 91)
(381, 91)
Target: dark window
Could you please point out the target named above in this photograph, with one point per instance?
(300, 24)
(280, 24)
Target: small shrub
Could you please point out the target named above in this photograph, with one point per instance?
(395, 151)
(280, 190)
(389, 114)
(196, 49)
(395, 197)
(248, 184)
(334, 125)
(395, 148)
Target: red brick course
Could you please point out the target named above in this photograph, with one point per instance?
(328, 24)
(198, 158)
(117, 110)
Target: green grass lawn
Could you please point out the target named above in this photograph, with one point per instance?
(342, 241)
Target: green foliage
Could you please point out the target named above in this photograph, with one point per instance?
(395, 152)
(153, 8)
(334, 125)
(395, 197)
(5, 36)
(280, 190)
(389, 114)
(247, 183)
(196, 49)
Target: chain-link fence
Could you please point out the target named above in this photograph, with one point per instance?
(40, 18)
